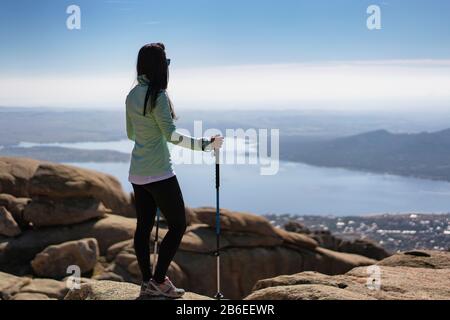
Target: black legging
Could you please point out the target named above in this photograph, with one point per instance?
(165, 195)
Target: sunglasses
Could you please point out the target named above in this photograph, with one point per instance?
(168, 62)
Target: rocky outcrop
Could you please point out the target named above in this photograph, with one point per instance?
(45, 211)
(16, 253)
(406, 276)
(31, 296)
(419, 259)
(54, 260)
(232, 220)
(24, 288)
(15, 206)
(8, 226)
(11, 284)
(111, 290)
(244, 224)
(251, 249)
(280, 251)
(57, 206)
(363, 247)
(29, 178)
(16, 174)
(327, 240)
(51, 288)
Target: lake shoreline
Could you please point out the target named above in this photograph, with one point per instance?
(66, 154)
(306, 188)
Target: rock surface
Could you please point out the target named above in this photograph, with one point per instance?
(54, 260)
(111, 290)
(15, 206)
(363, 247)
(325, 239)
(51, 288)
(24, 288)
(418, 281)
(55, 206)
(18, 252)
(8, 226)
(247, 255)
(24, 177)
(45, 211)
(419, 259)
(11, 284)
(307, 292)
(232, 220)
(31, 296)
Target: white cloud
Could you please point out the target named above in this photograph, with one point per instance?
(331, 85)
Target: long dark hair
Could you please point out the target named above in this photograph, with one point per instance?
(152, 63)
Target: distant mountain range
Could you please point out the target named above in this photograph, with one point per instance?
(321, 139)
(424, 155)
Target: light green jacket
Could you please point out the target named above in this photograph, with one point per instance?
(151, 156)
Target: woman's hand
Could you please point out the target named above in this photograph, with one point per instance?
(217, 141)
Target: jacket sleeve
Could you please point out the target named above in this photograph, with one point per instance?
(130, 129)
(163, 118)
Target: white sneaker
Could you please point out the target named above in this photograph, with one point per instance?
(166, 289)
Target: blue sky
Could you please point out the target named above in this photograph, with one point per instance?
(209, 34)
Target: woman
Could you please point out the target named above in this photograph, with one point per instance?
(150, 124)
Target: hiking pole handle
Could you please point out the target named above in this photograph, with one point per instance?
(217, 155)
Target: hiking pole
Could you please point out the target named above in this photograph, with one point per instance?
(219, 295)
(155, 247)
